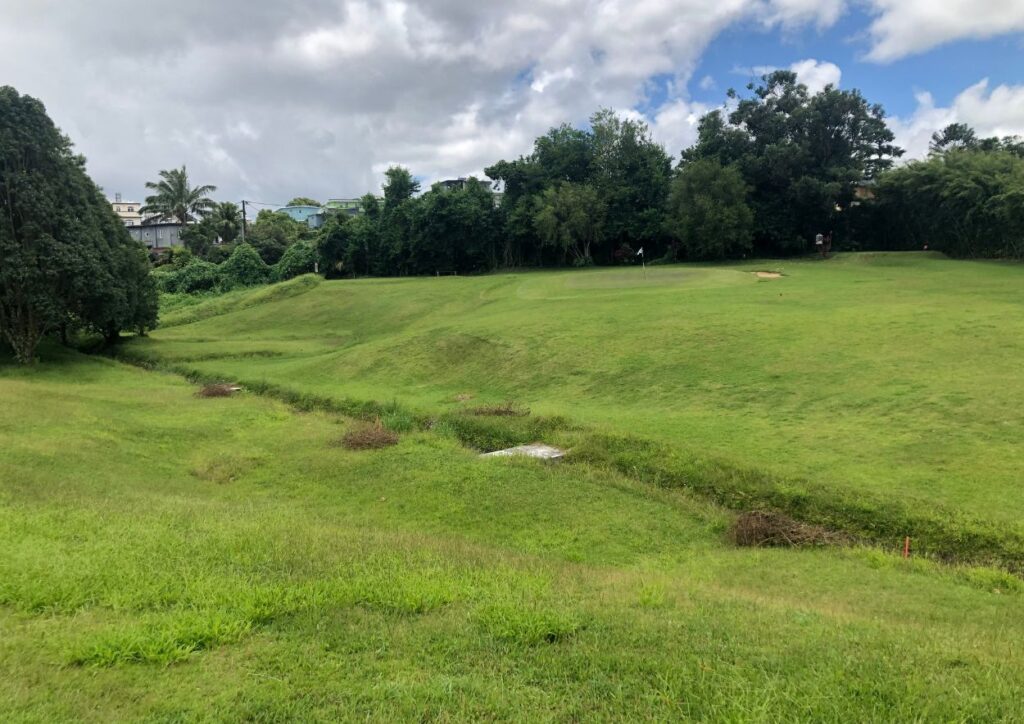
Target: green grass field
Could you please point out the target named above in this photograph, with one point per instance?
(171, 558)
(889, 377)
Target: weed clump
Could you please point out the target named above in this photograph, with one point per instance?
(502, 409)
(218, 389)
(767, 528)
(369, 437)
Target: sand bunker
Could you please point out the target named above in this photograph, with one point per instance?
(767, 275)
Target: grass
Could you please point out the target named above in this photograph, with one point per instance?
(887, 382)
(174, 557)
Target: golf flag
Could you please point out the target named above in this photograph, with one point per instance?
(641, 252)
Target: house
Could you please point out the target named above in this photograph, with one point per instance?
(352, 207)
(157, 235)
(313, 216)
(127, 211)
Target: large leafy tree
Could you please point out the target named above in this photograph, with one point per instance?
(571, 218)
(801, 154)
(65, 259)
(176, 199)
(708, 211)
(303, 201)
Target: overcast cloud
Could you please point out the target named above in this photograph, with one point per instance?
(318, 97)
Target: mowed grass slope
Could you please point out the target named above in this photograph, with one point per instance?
(892, 375)
(169, 557)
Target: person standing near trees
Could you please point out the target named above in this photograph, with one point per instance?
(819, 243)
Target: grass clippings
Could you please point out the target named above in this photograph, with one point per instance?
(369, 437)
(771, 529)
(218, 389)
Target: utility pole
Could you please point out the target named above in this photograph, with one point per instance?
(243, 221)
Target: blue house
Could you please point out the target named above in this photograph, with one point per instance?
(310, 215)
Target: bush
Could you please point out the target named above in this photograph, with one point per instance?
(298, 259)
(244, 268)
(197, 276)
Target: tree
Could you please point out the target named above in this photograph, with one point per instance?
(303, 201)
(630, 174)
(955, 135)
(298, 259)
(65, 259)
(708, 211)
(802, 155)
(452, 231)
(570, 217)
(244, 268)
(273, 232)
(226, 219)
(963, 202)
(399, 187)
(176, 199)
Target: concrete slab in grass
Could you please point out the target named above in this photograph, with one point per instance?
(536, 450)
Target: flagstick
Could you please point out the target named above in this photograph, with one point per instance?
(643, 263)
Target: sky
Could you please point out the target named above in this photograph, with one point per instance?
(272, 100)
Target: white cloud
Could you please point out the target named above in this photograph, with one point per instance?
(905, 27)
(995, 112)
(816, 74)
(315, 97)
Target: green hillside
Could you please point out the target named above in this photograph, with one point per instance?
(892, 376)
(174, 558)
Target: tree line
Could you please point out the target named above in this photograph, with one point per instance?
(771, 169)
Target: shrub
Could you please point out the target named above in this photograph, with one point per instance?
(244, 268)
(196, 276)
(298, 259)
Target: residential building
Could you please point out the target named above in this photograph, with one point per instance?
(313, 216)
(127, 211)
(352, 207)
(157, 235)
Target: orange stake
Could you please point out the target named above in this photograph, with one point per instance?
(906, 547)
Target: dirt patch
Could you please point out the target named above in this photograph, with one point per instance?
(218, 389)
(463, 397)
(767, 275)
(502, 409)
(767, 528)
(369, 437)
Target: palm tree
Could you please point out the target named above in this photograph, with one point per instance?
(226, 218)
(175, 199)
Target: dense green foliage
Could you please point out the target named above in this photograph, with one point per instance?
(66, 261)
(801, 154)
(273, 232)
(298, 259)
(226, 560)
(708, 211)
(965, 201)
